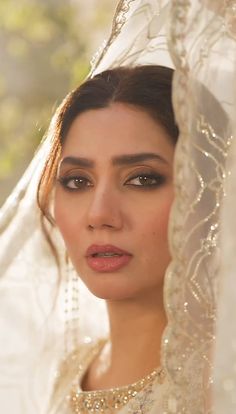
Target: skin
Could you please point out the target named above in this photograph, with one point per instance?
(115, 206)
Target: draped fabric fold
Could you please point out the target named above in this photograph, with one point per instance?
(203, 48)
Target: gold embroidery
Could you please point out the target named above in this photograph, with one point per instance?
(107, 401)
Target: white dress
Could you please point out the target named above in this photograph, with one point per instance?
(144, 396)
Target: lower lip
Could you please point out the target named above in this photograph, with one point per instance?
(108, 264)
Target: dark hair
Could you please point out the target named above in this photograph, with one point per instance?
(148, 87)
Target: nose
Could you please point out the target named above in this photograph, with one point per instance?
(104, 211)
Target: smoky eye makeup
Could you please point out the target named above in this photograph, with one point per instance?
(146, 176)
(74, 180)
(139, 177)
(146, 180)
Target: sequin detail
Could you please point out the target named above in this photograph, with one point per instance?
(108, 401)
(111, 400)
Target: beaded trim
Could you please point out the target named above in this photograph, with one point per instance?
(108, 401)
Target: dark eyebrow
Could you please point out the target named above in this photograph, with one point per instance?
(78, 161)
(129, 159)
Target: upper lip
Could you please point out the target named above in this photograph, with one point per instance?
(105, 248)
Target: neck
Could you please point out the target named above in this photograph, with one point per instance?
(136, 328)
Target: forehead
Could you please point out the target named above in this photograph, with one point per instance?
(119, 128)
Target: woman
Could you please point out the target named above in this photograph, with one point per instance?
(200, 38)
(111, 167)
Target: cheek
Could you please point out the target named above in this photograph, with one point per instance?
(158, 230)
(155, 230)
(65, 218)
(157, 215)
(162, 222)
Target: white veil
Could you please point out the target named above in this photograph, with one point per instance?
(33, 318)
(203, 44)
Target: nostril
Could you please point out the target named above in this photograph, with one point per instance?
(106, 219)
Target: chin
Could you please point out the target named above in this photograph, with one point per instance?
(108, 286)
(108, 293)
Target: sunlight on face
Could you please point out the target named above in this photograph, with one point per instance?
(113, 196)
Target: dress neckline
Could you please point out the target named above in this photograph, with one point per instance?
(107, 400)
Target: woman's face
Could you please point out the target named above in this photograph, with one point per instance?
(112, 201)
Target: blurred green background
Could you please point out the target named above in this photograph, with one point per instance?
(45, 50)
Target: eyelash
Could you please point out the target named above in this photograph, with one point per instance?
(85, 183)
(64, 181)
(157, 178)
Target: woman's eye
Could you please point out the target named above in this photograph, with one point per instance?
(146, 180)
(75, 183)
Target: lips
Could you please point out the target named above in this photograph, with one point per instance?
(107, 258)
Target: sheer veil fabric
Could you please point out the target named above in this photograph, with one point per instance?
(203, 48)
(37, 311)
(203, 45)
